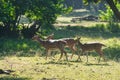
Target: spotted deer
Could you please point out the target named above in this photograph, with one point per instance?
(51, 36)
(71, 44)
(96, 46)
(49, 45)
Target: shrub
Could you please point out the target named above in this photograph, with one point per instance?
(108, 15)
(112, 49)
(113, 27)
(20, 47)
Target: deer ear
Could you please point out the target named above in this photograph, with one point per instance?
(78, 37)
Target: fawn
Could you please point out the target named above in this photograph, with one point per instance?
(90, 47)
(49, 45)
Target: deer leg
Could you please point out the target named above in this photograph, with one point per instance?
(101, 55)
(73, 51)
(87, 56)
(60, 55)
(61, 48)
(79, 56)
(79, 53)
(66, 55)
(72, 54)
(50, 54)
(46, 53)
(62, 51)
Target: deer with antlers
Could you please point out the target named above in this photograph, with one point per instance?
(49, 45)
(96, 46)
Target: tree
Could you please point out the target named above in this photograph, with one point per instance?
(10, 13)
(114, 8)
(76, 4)
(111, 4)
(40, 11)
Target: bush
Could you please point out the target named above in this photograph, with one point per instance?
(19, 47)
(108, 15)
(113, 27)
(112, 50)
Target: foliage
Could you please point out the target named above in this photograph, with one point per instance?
(108, 15)
(18, 47)
(90, 1)
(23, 47)
(113, 27)
(112, 50)
(29, 66)
(45, 11)
(111, 3)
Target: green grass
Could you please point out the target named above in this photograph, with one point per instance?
(29, 64)
(26, 58)
(18, 47)
(37, 68)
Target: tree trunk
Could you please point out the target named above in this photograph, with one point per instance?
(31, 30)
(114, 8)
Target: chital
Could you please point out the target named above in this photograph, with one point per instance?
(51, 36)
(90, 47)
(49, 45)
(71, 44)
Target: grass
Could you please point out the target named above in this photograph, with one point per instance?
(37, 68)
(28, 63)
(26, 58)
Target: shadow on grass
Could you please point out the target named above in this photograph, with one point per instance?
(50, 79)
(113, 52)
(59, 63)
(13, 78)
(18, 47)
(1, 58)
(78, 13)
(28, 48)
(96, 64)
(100, 30)
(76, 61)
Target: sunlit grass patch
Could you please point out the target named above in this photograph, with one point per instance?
(37, 68)
(27, 58)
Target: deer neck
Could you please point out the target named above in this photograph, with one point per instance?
(41, 41)
(80, 44)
